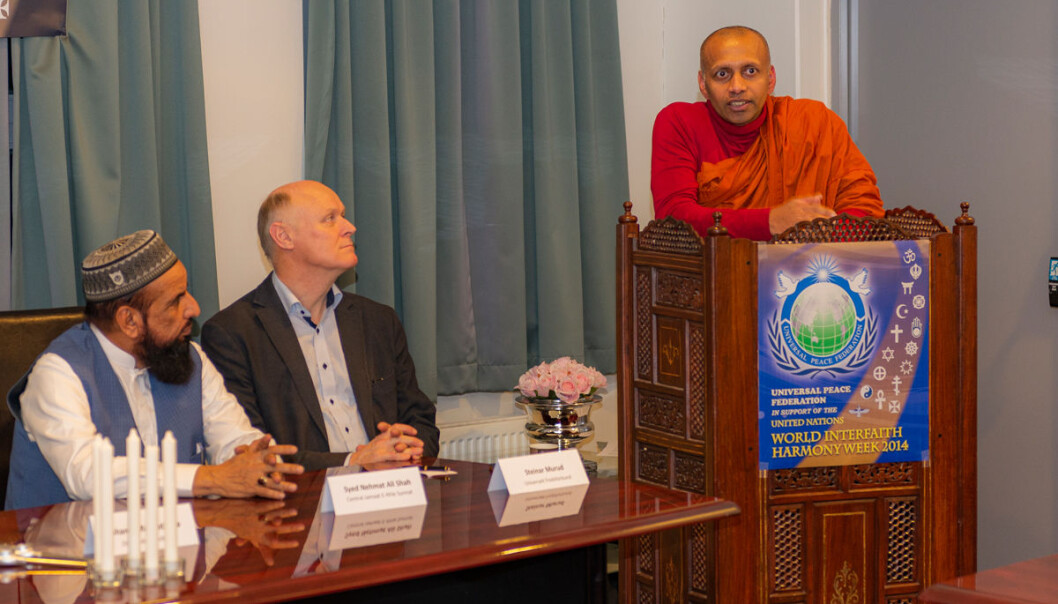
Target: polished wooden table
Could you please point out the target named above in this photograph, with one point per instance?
(1034, 581)
(279, 551)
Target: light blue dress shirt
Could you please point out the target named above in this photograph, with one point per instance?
(322, 347)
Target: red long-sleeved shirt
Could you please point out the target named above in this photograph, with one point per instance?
(806, 145)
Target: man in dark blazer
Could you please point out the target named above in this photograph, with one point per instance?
(323, 369)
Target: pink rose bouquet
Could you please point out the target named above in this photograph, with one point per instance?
(563, 378)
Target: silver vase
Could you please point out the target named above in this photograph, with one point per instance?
(553, 421)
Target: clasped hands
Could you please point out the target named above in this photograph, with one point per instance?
(395, 446)
(257, 469)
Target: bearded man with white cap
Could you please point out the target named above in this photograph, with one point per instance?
(131, 364)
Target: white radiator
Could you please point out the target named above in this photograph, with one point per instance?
(484, 441)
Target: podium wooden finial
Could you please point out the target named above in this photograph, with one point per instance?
(964, 219)
(717, 228)
(627, 217)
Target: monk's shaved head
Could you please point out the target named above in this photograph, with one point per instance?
(731, 33)
(736, 75)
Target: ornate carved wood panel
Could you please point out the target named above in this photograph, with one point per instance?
(645, 556)
(644, 327)
(842, 551)
(836, 535)
(671, 356)
(804, 502)
(903, 547)
(702, 562)
(669, 396)
(787, 550)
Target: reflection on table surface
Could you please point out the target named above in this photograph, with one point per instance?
(259, 549)
(1029, 582)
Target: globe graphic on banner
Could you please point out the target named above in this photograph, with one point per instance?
(823, 319)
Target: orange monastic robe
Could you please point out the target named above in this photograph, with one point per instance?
(803, 149)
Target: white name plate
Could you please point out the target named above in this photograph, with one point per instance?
(372, 528)
(540, 472)
(541, 505)
(354, 493)
(186, 530)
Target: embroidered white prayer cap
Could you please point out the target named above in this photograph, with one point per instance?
(125, 265)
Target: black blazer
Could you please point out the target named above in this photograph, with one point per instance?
(256, 350)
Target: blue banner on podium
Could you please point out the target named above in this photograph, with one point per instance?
(843, 363)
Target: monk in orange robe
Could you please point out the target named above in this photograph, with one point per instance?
(766, 163)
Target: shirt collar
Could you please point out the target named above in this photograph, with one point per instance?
(290, 301)
(119, 359)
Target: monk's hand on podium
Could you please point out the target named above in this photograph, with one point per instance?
(257, 470)
(395, 446)
(797, 209)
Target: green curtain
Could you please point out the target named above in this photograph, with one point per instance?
(109, 138)
(479, 147)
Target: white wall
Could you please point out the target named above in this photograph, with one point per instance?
(965, 108)
(252, 69)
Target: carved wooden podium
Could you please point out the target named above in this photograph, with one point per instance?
(688, 420)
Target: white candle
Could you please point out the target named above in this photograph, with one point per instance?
(172, 560)
(150, 516)
(132, 458)
(97, 499)
(106, 458)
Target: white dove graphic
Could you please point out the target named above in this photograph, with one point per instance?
(786, 285)
(858, 283)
